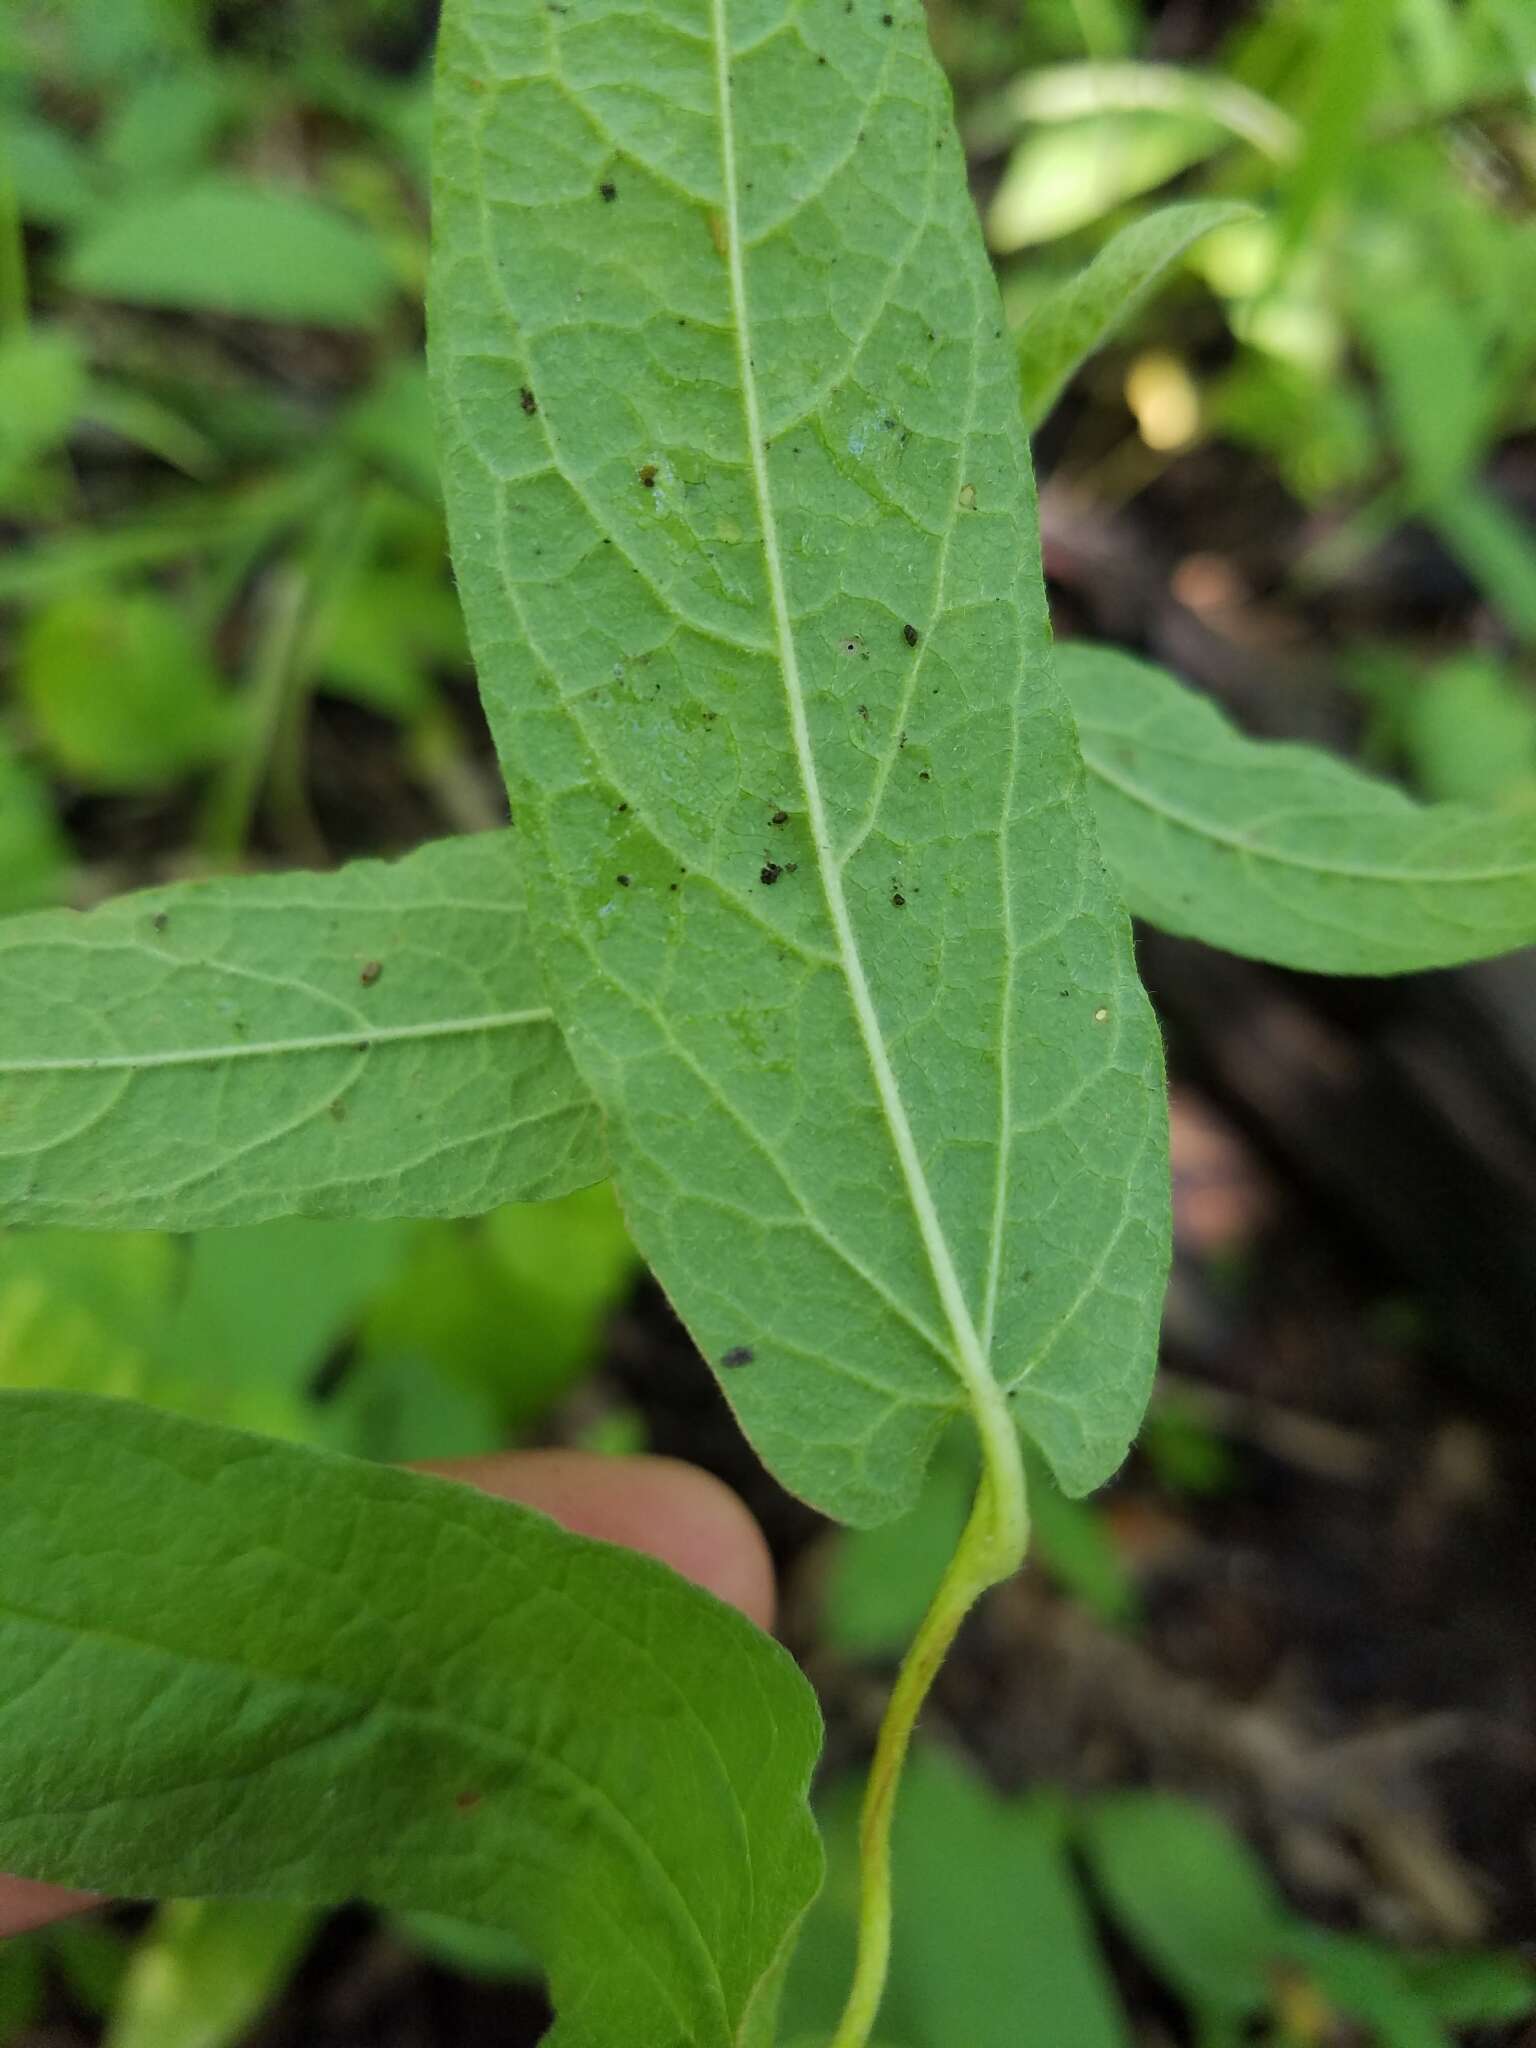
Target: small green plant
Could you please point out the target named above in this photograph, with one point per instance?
(804, 933)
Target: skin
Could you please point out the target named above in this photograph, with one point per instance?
(656, 1505)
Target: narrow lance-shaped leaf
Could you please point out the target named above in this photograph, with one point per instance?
(1078, 317)
(1279, 852)
(745, 527)
(237, 1668)
(371, 1043)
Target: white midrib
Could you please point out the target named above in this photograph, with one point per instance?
(364, 1038)
(987, 1399)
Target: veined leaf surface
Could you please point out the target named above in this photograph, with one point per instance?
(369, 1043)
(1280, 852)
(745, 527)
(238, 1668)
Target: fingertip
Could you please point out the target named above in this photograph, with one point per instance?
(25, 1905)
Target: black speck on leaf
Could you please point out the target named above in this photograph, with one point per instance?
(623, 807)
(887, 19)
(673, 887)
(898, 901)
(923, 775)
(909, 634)
(738, 1355)
(371, 973)
(526, 400)
(161, 920)
(648, 476)
(623, 880)
(864, 713)
(609, 190)
(769, 873)
(363, 1045)
(779, 818)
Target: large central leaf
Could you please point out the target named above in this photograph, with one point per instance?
(745, 526)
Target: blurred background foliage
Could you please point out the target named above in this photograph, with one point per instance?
(230, 639)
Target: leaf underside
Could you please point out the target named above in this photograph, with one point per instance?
(745, 528)
(369, 1043)
(306, 1678)
(1280, 852)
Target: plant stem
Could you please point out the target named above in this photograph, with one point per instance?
(991, 1550)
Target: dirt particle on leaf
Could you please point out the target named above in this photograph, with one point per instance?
(526, 400)
(898, 901)
(161, 920)
(864, 713)
(623, 881)
(466, 1802)
(648, 475)
(738, 1355)
(779, 818)
(910, 635)
(769, 873)
(923, 775)
(609, 190)
(371, 973)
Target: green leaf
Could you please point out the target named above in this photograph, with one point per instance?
(32, 848)
(122, 691)
(1368, 1982)
(259, 1312)
(250, 1670)
(994, 1939)
(21, 1989)
(881, 1580)
(1469, 730)
(1279, 852)
(1072, 1541)
(55, 179)
(1062, 179)
(748, 547)
(993, 1945)
(1078, 317)
(369, 1043)
(222, 246)
(1192, 1896)
(484, 1952)
(91, 1960)
(167, 125)
(1476, 1989)
(42, 387)
(205, 1971)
